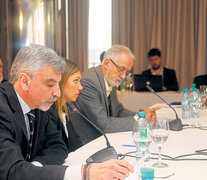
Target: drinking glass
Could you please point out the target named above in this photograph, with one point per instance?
(129, 84)
(196, 104)
(203, 93)
(159, 133)
(142, 138)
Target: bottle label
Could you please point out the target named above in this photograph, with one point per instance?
(143, 134)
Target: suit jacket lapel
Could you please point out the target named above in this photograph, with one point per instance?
(100, 77)
(15, 106)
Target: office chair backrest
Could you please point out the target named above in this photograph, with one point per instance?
(200, 80)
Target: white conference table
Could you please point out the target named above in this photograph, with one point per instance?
(178, 143)
(135, 100)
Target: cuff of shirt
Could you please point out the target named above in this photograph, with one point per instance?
(36, 163)
(73, 172)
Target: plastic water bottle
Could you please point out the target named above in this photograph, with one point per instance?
(194, 102)
(191, 88)
(186, 111)
(143, 122)
(147, 155)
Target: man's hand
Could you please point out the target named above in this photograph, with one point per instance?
(150, 112)
(110, 170)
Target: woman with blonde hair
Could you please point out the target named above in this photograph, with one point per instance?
(70, 88)
(60, 113)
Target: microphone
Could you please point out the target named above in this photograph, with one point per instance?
(104, 154)
(176, 124)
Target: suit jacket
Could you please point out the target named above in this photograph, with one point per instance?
(4, 80)
(169, 78)
(73, 141)
(107, 113)
(47, 147)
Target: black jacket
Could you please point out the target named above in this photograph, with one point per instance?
(48, 148)
(169, 78)
(73, 141)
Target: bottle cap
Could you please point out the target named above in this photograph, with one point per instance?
(147, 173)
(193, 85)
(185, 90)
(141, 113)
(194, 89)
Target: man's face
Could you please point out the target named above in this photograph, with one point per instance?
(117, 70)
(155, 62)
(1, 69)
(43, 88)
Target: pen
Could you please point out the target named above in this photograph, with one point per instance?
(128, 145)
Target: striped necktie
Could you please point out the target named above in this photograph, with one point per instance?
(31, 118)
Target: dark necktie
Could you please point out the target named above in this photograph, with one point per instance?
(109, 102)
(31, 118)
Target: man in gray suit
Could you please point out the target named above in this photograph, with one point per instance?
(98, 100)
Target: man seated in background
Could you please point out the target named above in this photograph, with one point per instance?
(169, 79)
(1, 72)
(30, 144)
(98, 100)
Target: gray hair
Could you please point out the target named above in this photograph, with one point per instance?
(116, 50)
(32, 58)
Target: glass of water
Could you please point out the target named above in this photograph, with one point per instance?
(159, 133)
(203, 93)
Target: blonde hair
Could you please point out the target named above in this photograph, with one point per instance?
(71, 68)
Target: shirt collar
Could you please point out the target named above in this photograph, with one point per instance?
(23, 104)
(108, 88)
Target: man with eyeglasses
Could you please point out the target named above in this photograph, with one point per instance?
(98, 100)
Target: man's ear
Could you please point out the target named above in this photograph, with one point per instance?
(25, 80)
(106, 62)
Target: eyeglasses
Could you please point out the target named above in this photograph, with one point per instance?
(122, 70)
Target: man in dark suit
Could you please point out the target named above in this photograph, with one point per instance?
(169, 79)
(34, 86)
(98, 100)
(30, 144)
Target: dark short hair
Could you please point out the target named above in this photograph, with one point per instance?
(102, 56)
(154, 52)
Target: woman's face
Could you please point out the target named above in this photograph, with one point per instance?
(73, 87)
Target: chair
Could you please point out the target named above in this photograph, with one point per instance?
(200, 80)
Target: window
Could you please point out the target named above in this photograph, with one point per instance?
(100, 29)
(35, 26)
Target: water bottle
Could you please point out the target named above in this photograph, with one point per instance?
(142, 120)
(192, 86)
(194, 102)
(186, 112)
